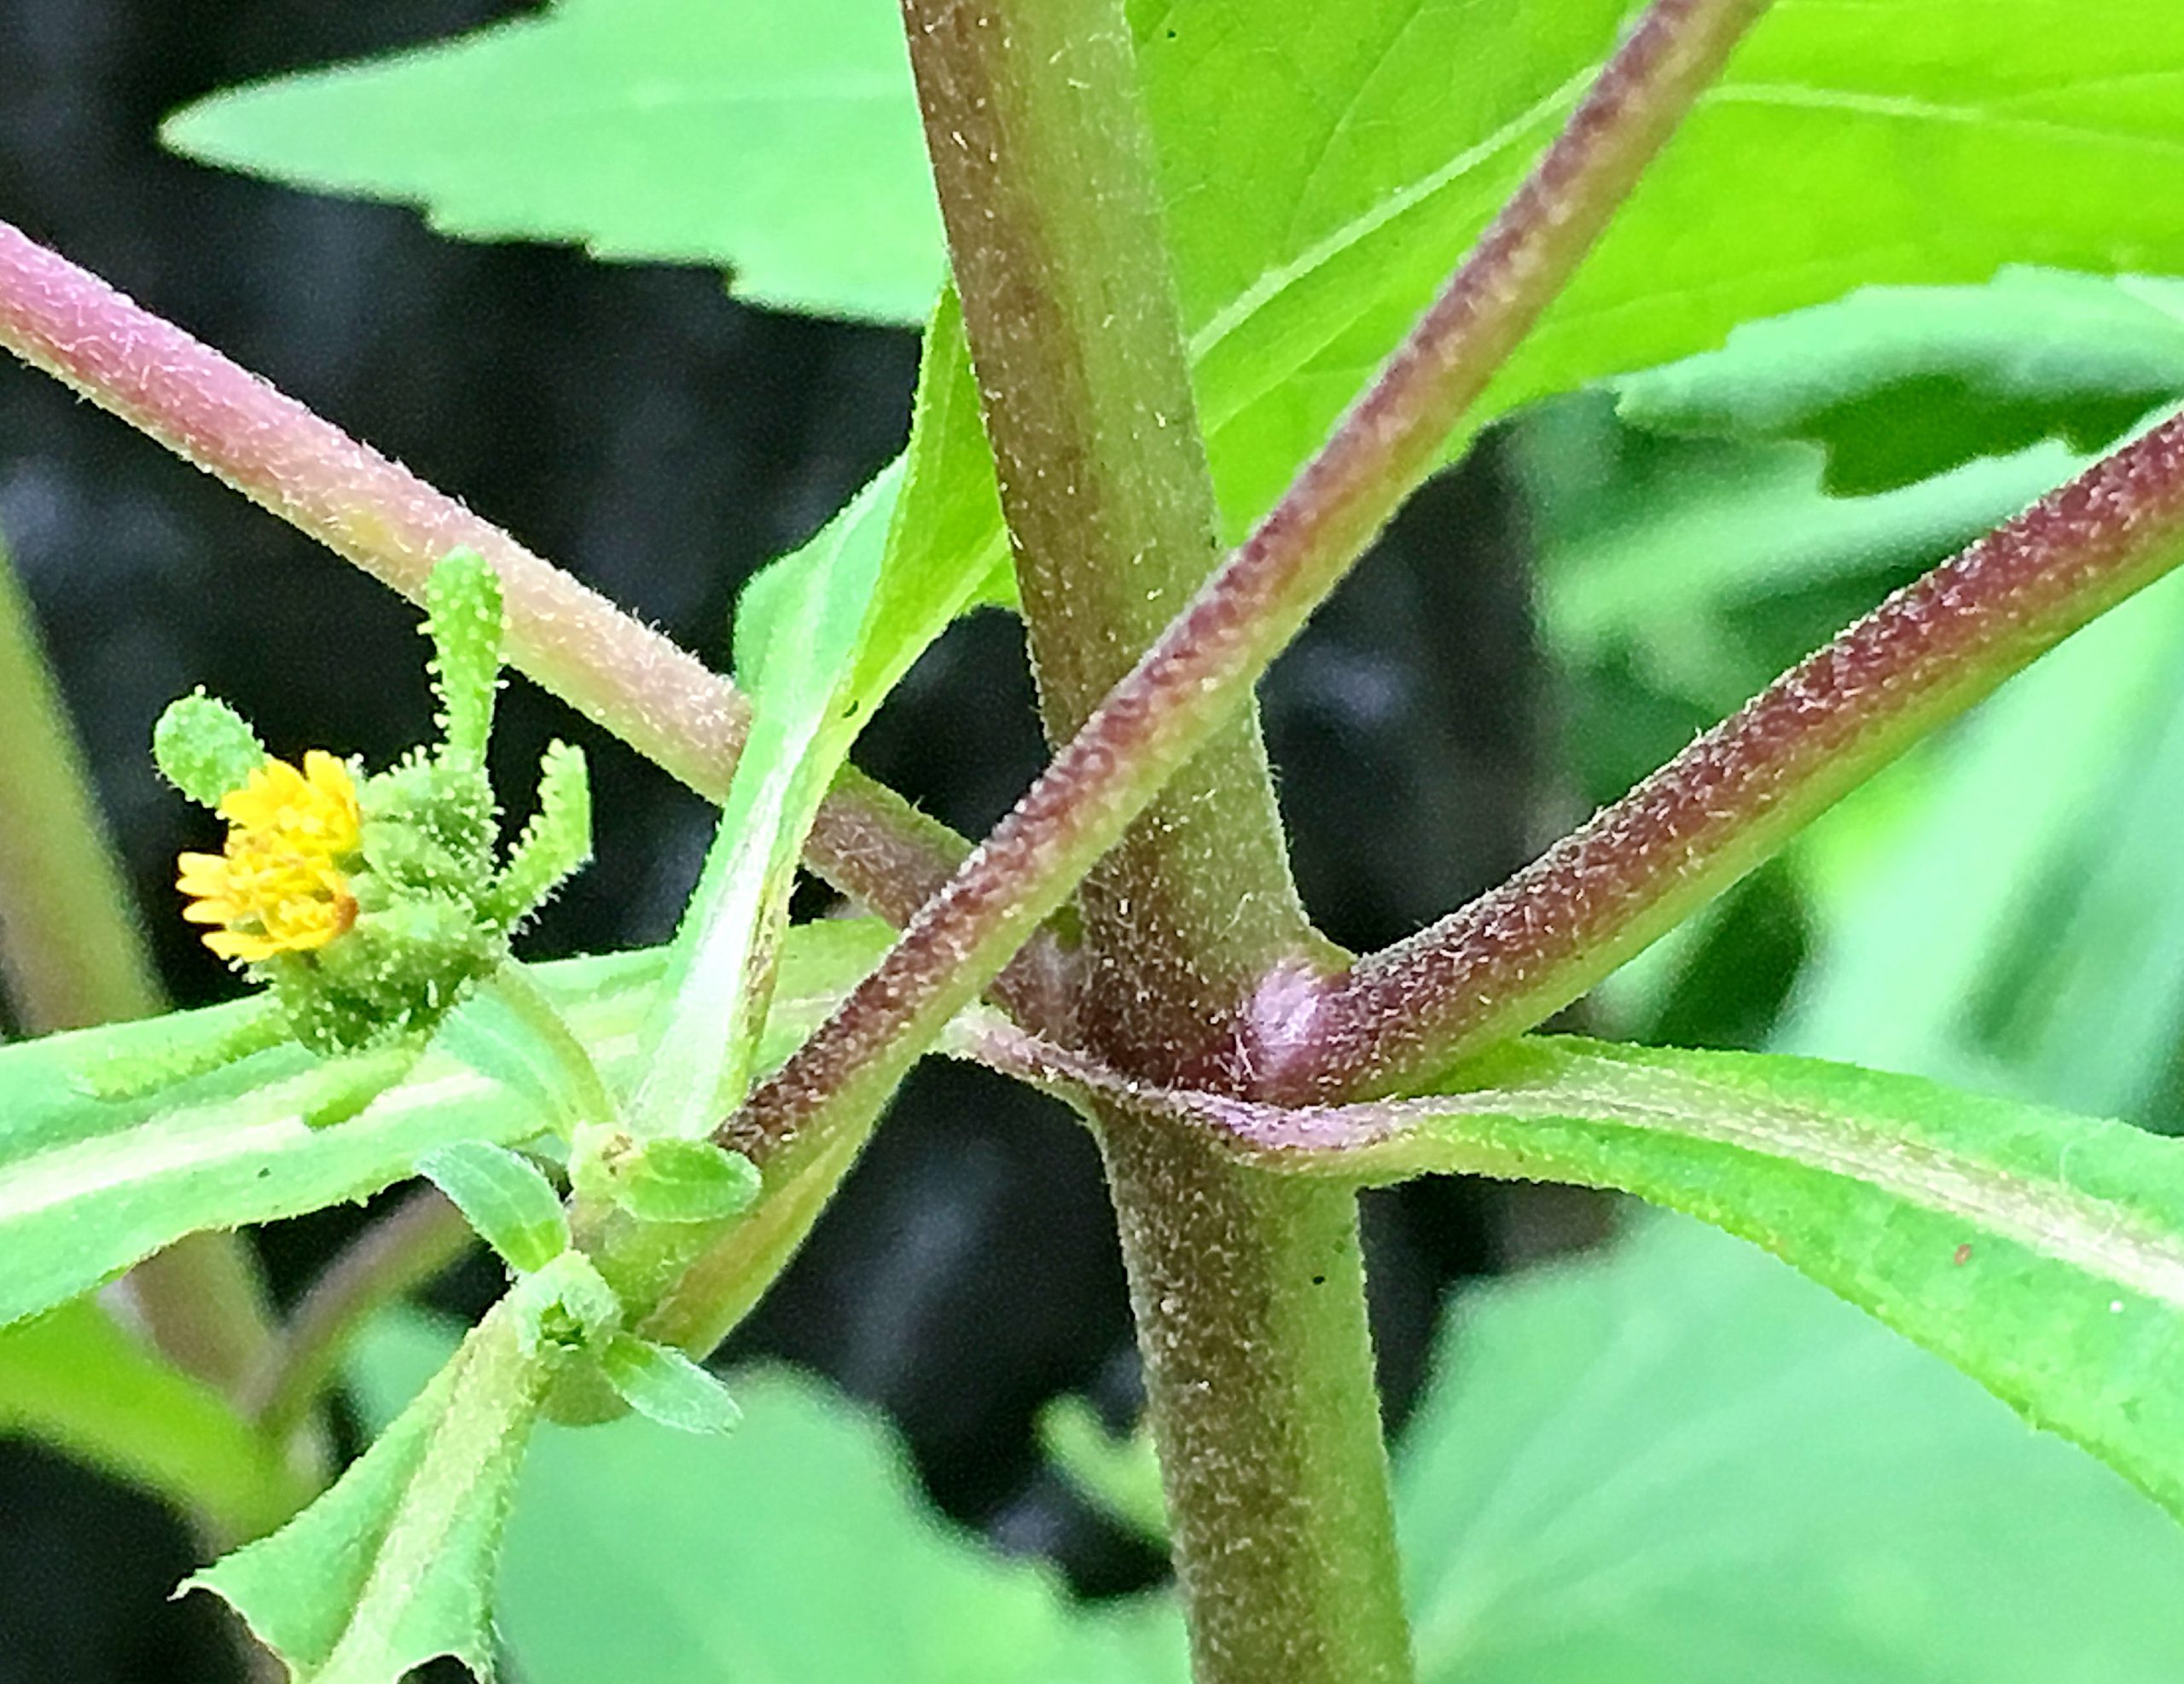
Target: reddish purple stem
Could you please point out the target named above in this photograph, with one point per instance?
(1522, 951)
(380, 516)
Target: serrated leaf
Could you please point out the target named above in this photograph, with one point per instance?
(75, 1379)
(1899, 383)
(664, 1385)
(2041, 1253)
(1317, 193)
(88, 1187)
(1678, 1463)
(781, 141)
(394, 1566)
(798, 1547)
(502, 1194)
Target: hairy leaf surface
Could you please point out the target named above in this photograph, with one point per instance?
(88, 1187)
(2041, 1253)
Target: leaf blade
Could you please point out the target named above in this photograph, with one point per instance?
(2041, 1253)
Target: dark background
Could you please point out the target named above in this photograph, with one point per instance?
(661, 441)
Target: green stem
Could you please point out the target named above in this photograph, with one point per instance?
(1044, 165)
(1249, 1292)
(74, 954)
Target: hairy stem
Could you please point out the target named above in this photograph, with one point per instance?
(1045, 172)
(1524, 950)
(72, 954)
(1196, 674)
(613, 668)
(1249, 1291)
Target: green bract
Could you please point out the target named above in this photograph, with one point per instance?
(371, 907)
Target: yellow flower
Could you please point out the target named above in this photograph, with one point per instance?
(282, 884)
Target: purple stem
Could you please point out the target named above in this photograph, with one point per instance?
(1521, 952)
(379, 516)
(1201, 669)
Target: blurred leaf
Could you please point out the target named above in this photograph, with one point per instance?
(502, 1196)
(1680, 1463)
(797, 632)
(394, 1565)
(1121, 1477)
(2041, 1253)
(88, 1187)
(1688, 573)
(781, 141)
(796, 1547)
(74, 1379)
(1901, 383)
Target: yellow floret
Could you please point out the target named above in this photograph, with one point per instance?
(282, 883)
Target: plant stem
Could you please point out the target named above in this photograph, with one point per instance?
(1250, 1305)
(71, 949)
(1249, 1292)
(1045, 171)
(1197, 673)
(1522, 951)
(72, 954)
(614, 669)
(402, 1249)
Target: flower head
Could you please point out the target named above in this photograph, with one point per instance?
(281, 885)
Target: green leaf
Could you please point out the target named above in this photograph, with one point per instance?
(1680, 1463)
(501, 1193)
(664, 1385)
(668, 1180)
(394, 1566)
(783, 143)
(1313, 214)
(799, 1547)
(88, 1187)
(507, 1028)
(2041, 1253)
(1901, 383)
(794, 646)
(72, 1378)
